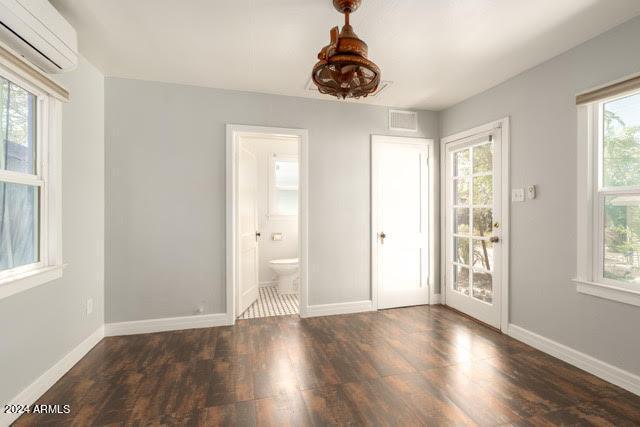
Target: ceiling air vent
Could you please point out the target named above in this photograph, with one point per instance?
(403, 120)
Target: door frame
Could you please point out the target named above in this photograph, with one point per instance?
(503, 125)
(432, 163)
(234, 132)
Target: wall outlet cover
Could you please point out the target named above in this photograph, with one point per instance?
(531, 192)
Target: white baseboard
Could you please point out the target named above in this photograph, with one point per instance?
(167, 324)
(607, 372)
(339, 308)
(33, 391)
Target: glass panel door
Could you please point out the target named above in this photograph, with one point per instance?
(472, 226)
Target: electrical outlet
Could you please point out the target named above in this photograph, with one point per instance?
(517, 195)
(89, 306)
(531, 192)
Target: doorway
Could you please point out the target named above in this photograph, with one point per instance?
(266, 222)
(475, 223)
(402, 214)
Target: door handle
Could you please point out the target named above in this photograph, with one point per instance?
(494, 239)
(258, 235)
(382, 236)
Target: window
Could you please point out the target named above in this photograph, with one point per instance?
(29, 185)
(283, 192)
(619, 189)
(611, 222)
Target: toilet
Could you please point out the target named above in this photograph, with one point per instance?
(287, 271)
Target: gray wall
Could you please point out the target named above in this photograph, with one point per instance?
(165, 151)
(41, 325)
(541, 103)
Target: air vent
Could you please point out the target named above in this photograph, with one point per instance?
(382, 86)
(403, 120)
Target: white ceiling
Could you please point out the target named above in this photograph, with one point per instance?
(436, 52)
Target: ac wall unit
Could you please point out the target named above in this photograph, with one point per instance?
(35, 30)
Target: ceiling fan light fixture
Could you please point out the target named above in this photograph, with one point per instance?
(343, 68)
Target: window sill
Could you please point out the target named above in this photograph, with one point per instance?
(609, 292)
(20, 282)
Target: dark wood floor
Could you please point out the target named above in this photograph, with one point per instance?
(410, 366)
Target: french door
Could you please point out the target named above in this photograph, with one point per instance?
(400, 221)
(473, 212)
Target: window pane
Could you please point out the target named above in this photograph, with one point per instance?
(482, 254)
(461, 163)
(461, 279)
(621, 151)
(461, 191)
(18, 225)
(462, 250)
(622, 238)
(483, 190)
(286, 174)
(287, 202)
(461, 220)
(482, 219)
(483, 158)
(482, 286)
(17, 128)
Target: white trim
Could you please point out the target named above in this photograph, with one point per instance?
(432, 167)
(20, 282)
(505, 138)
(610, 292)
(166, 324)
(600, 369)
(339, 308)
(233, 132)
(33, 391)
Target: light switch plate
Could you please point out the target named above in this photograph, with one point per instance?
(276, 237)
(517, 195)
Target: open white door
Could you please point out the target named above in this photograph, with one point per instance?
(473, 183)
(400, 221)
(248, 227)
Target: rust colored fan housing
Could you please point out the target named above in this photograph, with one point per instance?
(343, 69)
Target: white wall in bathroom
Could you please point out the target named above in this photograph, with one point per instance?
(269, 249)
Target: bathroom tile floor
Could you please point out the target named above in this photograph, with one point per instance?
(271, 303)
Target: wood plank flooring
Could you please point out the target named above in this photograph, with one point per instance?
(409, 366)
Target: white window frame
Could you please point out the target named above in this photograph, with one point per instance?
(48, 178)
(591, 193)
(273, 208)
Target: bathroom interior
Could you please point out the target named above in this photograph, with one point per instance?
(269, 185)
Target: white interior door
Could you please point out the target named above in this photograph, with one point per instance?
(400, 222)
(473, 209)
(248, 220)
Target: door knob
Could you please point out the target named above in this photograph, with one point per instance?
(494, 239)
(382, 236)
(257, 235)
